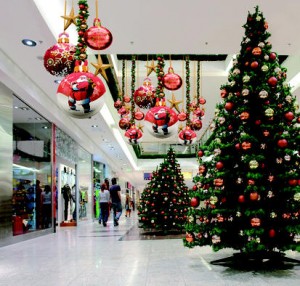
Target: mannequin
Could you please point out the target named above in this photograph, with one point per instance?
(66, 192)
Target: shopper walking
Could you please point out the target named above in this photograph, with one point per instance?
(104, 197)
(115, 196)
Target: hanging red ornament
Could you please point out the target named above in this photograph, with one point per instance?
(272, 81)
(241, 199)
(182, 116)
(139, 115)
(124, 123)
(171, 80)
(200, 153)
(219, 165)
(187, 136)
(144, 96)
(229, 106)
(272, 233)
(118, 104)
(255, 222)
(196, 124)
(59, 60)
(162, 118)
(133, 134)
(98, 37)
(189, 237)
(202, 100)
(78, 94)
(123, 110)
(253, 196)
(126, 98)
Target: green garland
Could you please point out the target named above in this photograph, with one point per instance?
(133, 66)
(160, 74)
(188, 89)
(82, 26)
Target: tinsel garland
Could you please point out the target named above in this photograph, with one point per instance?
(81, 27)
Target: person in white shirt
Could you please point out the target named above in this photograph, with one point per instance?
(104, 197)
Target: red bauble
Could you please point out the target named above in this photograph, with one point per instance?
(254, 65)
(59, 60)
(118, 104)
(272, 56)
(282, 143)
(241, 199)
(253, 196)
(202, 100)
(272, 81)
(219, 165)
(289, 116)
(124, 123)
(229, 105)
(78, 93)
(195, 188)
(171, 80)
(189, 237)
(133, 134)
(126, 98)
(255, 222)
(194, 202)
(182, 116)
(196, 124)
(293, 182)
(144, 96)
(123, 111)
(223, 93)
(98, 37)
(139, 115)
(200, 153)
(187, 136)
(272, 233)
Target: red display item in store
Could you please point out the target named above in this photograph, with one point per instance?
(98, 37)
(161, 117)
(134, 135)
(17, 225)
(171, 80)
(59, 59)
(187, 136)
(78, 94)
(144, 96)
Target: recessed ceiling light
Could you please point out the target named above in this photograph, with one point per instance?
(25, 108)
(38, 118)
(94, 126)
(58, 81)
(29, 43)
(45, 127)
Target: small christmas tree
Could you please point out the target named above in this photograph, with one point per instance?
(247, 192)
(164, 201)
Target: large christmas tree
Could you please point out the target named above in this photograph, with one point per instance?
(164, 201)
(247, 192)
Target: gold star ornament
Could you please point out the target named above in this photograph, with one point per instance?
(100, 68)
(140, 126)
(150, 68)
(174, 102)
(69, 20)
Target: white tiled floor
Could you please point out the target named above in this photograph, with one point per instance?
(93, 255)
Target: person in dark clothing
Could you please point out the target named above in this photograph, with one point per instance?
(115, 197)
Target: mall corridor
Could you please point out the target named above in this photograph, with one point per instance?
(123, 256)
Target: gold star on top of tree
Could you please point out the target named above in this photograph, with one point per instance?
(174, 102)
(100, 68)
(68, 20)
(150, 68)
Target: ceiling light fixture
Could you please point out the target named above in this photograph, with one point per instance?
(28, 43)
(38, 118)
(57, 81)
(94, 126)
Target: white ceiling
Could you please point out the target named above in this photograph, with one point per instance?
(138, 27)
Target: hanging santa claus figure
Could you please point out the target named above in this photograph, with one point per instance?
(162, 118)
(82, 90)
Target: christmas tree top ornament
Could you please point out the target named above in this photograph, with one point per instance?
(246, 183)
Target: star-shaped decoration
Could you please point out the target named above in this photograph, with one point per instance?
(180, 128)
(150, 68)
(140, 127)
(174, 102)
(100, 68)
(69, 20)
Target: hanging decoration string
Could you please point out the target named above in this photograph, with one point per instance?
(123, 81)
(187, 81)
(198, 81)
(170, 61)
(133, 68)
(81, 24)
(160, 74)
(183, 81)
(65, 12)
(96, 9)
